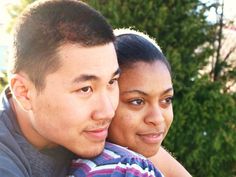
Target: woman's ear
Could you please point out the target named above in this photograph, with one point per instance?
(21, 88)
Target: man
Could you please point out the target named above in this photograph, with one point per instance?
(63, 89)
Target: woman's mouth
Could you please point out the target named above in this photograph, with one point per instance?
(152, 138)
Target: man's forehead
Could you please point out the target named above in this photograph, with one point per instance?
(88, 63)
(94, 77)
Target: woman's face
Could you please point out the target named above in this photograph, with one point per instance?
(144, 113)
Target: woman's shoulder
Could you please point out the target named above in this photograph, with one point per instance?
(115, 151)
(116, 160)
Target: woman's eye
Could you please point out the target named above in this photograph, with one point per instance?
(167, 100)
(137, 102)
(87, 89)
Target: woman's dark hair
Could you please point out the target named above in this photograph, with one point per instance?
(133, 46)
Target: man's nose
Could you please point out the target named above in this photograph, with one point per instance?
(104, 108)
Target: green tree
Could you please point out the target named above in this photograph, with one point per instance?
(203, 133)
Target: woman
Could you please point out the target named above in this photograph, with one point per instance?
(145, 113)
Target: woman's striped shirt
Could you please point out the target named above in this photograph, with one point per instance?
(114, 161)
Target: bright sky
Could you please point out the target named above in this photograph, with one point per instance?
(3, 9)
(4, 19)
(230, 9)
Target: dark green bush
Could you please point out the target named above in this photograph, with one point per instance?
(203, 134)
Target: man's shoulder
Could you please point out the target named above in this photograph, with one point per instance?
(8, 124)
(10, 163)
(7, 139)
(10, 153)
(5, 108)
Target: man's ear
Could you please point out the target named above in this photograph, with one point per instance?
(21, 88)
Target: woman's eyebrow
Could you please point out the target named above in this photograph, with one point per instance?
(144, 93)
(168, 90)
(135, 91)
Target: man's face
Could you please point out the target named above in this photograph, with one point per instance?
(78, 103)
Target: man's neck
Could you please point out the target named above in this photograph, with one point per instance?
(24, 120)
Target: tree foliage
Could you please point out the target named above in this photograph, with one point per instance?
(203, 133)
(3, 80)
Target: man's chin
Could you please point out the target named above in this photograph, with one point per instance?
(93, 152)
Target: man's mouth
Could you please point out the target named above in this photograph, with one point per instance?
(97, 134)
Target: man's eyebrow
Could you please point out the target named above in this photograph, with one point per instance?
(117, 72)
(89, 77)
(85, 77)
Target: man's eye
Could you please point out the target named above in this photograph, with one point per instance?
(137, 102)
(113, 81)
(86, 89)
